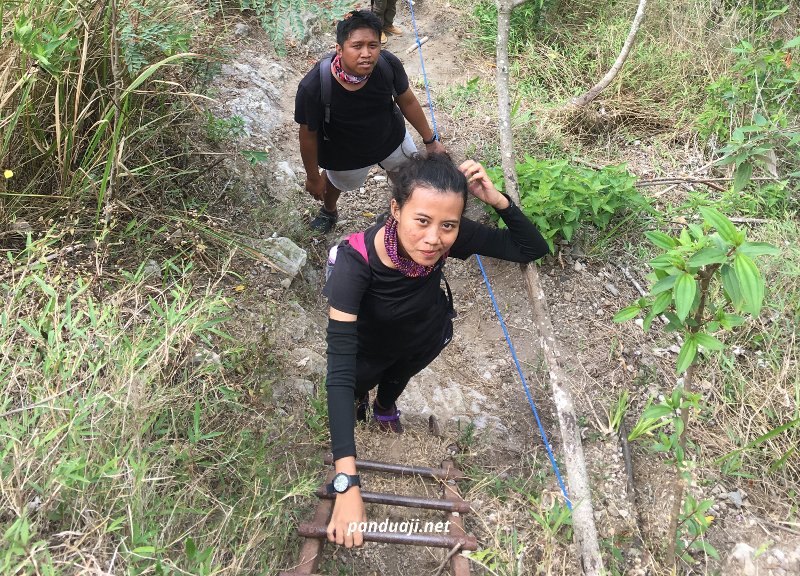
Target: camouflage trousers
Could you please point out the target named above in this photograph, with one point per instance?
(385, 10)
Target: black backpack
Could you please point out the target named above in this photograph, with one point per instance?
(325, 82)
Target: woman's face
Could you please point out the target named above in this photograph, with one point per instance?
(427, 224)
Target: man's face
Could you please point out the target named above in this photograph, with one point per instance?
(360, 51)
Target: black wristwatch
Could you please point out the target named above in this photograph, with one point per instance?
(433, 139)
(342, 483)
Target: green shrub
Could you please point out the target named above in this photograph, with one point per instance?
(287, 18)
(558, 197)
(526, 22)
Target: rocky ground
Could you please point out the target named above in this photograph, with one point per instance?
(474, 383)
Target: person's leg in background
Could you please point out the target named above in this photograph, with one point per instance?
(336, 182)
(388, 18)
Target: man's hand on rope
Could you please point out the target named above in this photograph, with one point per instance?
(435, 147)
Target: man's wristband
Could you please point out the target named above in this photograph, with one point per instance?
(433, 139)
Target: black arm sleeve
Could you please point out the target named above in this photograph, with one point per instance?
(341, 385)
(520, 242)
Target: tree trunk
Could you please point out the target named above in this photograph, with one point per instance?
(592, 93)
(577, 478)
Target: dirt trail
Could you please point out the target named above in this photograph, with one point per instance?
(474, 381)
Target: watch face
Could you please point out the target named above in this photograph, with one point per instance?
(341, 482)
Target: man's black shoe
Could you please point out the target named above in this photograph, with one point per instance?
(324, 221)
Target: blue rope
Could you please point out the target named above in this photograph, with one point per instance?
(491, 293)
(422, 67)
(524, 384)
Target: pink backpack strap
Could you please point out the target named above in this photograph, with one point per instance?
(356, 240)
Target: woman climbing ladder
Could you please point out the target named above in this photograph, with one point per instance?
(389, 317)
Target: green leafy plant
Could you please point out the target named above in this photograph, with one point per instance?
(556, 521)
(284, 18)
(702, 284)
(221, 129)
(558, 197)
(151, 31)
(526, 22)
(753, 109)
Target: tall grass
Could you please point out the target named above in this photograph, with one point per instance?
(560, 49)
(127, 445)
(85, 89)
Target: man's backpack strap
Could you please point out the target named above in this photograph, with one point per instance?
(325, 84)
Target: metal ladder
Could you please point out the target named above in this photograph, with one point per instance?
(315, 536)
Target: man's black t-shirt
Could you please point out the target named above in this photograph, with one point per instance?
(365, 125)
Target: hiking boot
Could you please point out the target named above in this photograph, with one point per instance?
(362, 407)
(384, 39)
(388, 420)
(324, 221)
(393, 30)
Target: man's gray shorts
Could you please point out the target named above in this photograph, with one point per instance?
(346, 180)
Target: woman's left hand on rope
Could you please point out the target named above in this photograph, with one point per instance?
(481, 186)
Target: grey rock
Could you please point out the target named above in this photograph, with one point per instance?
(21, 227)
(242, 30)
(301, 385)
(578, 267)
(204, 357)
(151, 269)
(287, 170)
(308, 362)
(611, 288)
(740, 561)
(284, 253)
(736, 498)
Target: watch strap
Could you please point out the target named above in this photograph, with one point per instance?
(352, 480)
(433, 139)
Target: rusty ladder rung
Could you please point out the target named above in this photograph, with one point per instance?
(315, 532)
(451, 473)
(433, 540)
(451, 505)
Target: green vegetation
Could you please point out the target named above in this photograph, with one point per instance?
(286, 19)
(137, 435)
(559, 197)
(127, 443)
(701, 284)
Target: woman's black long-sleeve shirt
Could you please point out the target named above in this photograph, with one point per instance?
(399, 316)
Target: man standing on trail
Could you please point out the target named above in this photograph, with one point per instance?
(350, 108)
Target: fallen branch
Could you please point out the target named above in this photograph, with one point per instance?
(692, 179)
(46, 259)
(453, 551)
(592, 93)
(40, 402)
(585, 533)
(680, 181)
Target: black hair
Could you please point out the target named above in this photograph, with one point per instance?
(356, 20)
(435, 171)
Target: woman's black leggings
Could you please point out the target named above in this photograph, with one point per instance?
(391, 374)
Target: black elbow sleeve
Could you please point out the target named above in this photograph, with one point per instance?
(341, 385)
